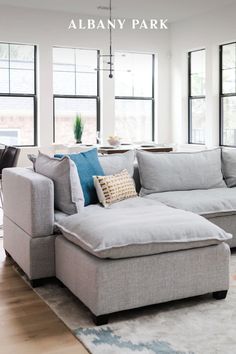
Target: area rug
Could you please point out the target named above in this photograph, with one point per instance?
(199, 325)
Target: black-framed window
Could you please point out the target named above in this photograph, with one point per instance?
(228, 94)
(18, 94)
(134, 96)
(196, 96)
(76, 91)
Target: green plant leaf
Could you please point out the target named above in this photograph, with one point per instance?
(78, 128)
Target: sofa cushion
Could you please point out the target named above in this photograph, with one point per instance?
(212, 202)
(114, 188)
(179, 171)
(116, 163)
(138, 227)
(68, 194)
(229, 166)
(88, 165)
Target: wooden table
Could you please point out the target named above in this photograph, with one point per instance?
(119, 150)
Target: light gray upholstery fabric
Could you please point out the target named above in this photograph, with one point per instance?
(32, 158)
(116, 163)
(204, 202)
(179, 171)
(229, 166)
(68, 192)
(36, 256)
(106, 286)
(59, 215)
(226, 222)
(138, 227)
(29, 200)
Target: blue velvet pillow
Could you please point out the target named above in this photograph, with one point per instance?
(88, 165)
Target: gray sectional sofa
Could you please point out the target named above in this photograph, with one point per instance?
(164, 245)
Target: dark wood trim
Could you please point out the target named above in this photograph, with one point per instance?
(109, 151)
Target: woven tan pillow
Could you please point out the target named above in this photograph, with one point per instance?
(114, 188)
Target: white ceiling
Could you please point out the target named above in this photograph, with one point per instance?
(174, 10)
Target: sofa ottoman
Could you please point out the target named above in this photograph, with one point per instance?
(137, 253)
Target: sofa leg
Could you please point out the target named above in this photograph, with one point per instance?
(100, 320)
(36, 282)
(62, 285)
(7, 254)
(220, 295)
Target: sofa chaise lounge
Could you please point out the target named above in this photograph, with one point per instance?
(138, 252)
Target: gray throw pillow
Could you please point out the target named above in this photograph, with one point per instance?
(116, 163)
(32, 158)
(68, 194)
(229, 166)
(179, 171)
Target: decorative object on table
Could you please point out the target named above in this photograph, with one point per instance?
(78, 129)
(114, 140)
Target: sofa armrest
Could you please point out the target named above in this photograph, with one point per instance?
(29, 200)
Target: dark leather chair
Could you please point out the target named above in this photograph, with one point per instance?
(8, 158)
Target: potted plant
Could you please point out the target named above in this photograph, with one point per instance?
(78, 129)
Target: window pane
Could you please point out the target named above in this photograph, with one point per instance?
(64, 71)
(64, 59)
(65, 114)
(64, 83)
(4, 55)
(86, 75)
(4, 80)
(229, 59)
(22, 81)
(17, 120)
(74, 71)
(229, 76)
(197, 85)
(22, 56)
(133, 120)
(86, 84)
(229, 120)
(133, 74)
(198, 62)
(21, 69)
(4, 68)
(197, 71)
(198, 107)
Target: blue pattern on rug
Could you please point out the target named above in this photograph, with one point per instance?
(105, 336)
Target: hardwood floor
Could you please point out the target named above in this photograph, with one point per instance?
(28, 326)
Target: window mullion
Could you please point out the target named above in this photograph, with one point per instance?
(9, 68)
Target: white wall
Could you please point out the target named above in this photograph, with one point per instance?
(46, 29)
(206, 31)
